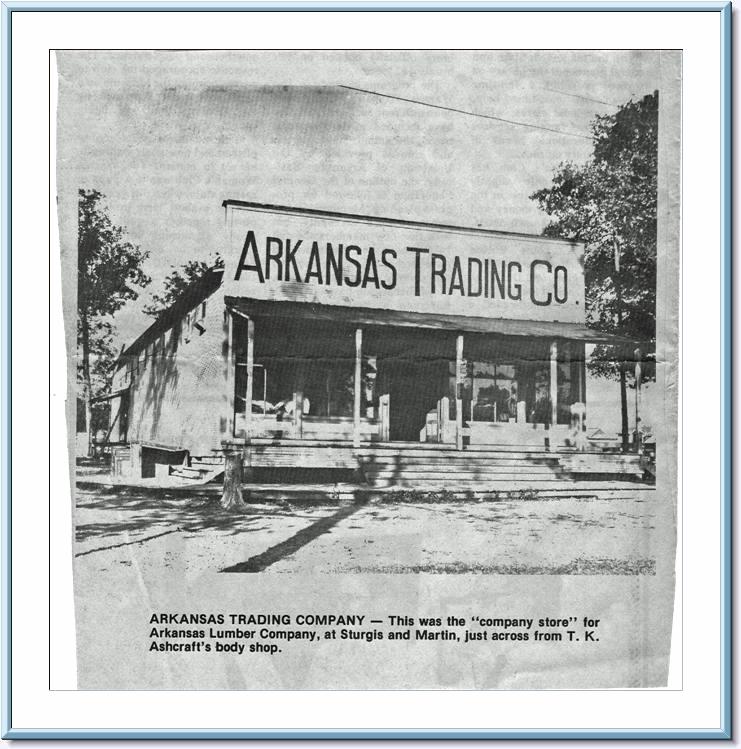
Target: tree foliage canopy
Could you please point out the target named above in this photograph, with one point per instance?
(610, 204)
(179, 280)
(109, 274)
(108, 265)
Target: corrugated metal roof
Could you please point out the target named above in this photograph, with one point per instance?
(368, 316)
(271, 208)
(196, 293)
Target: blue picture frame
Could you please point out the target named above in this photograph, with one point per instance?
(12, 7)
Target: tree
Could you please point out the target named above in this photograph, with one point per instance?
(610, 204)
(108, 274)
(101, 363)
(180, 279)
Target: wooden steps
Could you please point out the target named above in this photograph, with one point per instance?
(431, 466)
(434, 480)
(401, 447)
(514, 466)
(463, 471)
(334, 494)
(459, 460)
(207, 460)
(432, 448)
(339, 493)
(301, 455)
(198, 471)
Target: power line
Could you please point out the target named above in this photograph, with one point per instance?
(580, 96)
(470, 114)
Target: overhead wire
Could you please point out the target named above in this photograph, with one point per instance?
(467, 112)
(581, 96)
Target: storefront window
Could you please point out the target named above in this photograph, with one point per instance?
(509, 380)
(505, 380)
(494, 392)
(292, 358)
(327, 386)
(570, 375)
(369, 396)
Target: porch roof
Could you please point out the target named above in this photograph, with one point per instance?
(110, 396)
(362, 316)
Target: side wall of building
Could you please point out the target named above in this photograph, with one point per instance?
(178, 383)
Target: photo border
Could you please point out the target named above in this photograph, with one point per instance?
(725, 9)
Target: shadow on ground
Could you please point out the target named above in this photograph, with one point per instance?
(306, 535)
(137, 514)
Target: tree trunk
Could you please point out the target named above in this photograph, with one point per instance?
(232, 498)
(624, 408)
(87, 384)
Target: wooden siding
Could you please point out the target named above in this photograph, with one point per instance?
(179, 392)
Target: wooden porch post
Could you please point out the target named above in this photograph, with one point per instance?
(384, 406)
(250, 377)
(298, 413)
(231, 365)
(638, 376)
(357, 392)
(443, 416)
(459, 392)
(583, 383)
(554, 383)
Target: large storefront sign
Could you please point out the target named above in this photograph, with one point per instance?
(289, 255)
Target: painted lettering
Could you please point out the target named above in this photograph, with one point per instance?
(391, 266)
(514, 290)
(371, 269)
(272, 260)
(498, 278)
(456, 277)
(314, 269)
(355, 250)
(274, 254)
(560, 273)
(249, 244)
(291, 259)
(535, 298)
(417, 270)
(474, 262)
(437, 272)
(334, 263)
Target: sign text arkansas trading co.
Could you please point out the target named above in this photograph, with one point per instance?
(373, 265)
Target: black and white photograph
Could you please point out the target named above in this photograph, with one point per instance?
(372, 366)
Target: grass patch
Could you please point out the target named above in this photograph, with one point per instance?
(578, 566)
(399, 496)
(445, 496)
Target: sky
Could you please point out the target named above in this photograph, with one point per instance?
(167, 136)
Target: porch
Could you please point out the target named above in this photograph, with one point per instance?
(438, 467)
(301, 371)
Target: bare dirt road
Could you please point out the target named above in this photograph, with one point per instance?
(526, 536)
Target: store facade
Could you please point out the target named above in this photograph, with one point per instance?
(340, 330)
(389, 331)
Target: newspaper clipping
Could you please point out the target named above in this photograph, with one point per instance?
(372, 363)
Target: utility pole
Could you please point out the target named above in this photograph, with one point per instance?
(623, 384)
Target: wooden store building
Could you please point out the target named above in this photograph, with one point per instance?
(408, 353)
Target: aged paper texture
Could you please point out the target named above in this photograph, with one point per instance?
(373, 366)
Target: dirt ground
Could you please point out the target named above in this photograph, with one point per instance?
(192, 534)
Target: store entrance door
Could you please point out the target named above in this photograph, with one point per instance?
(414, 389)
(413, 373)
